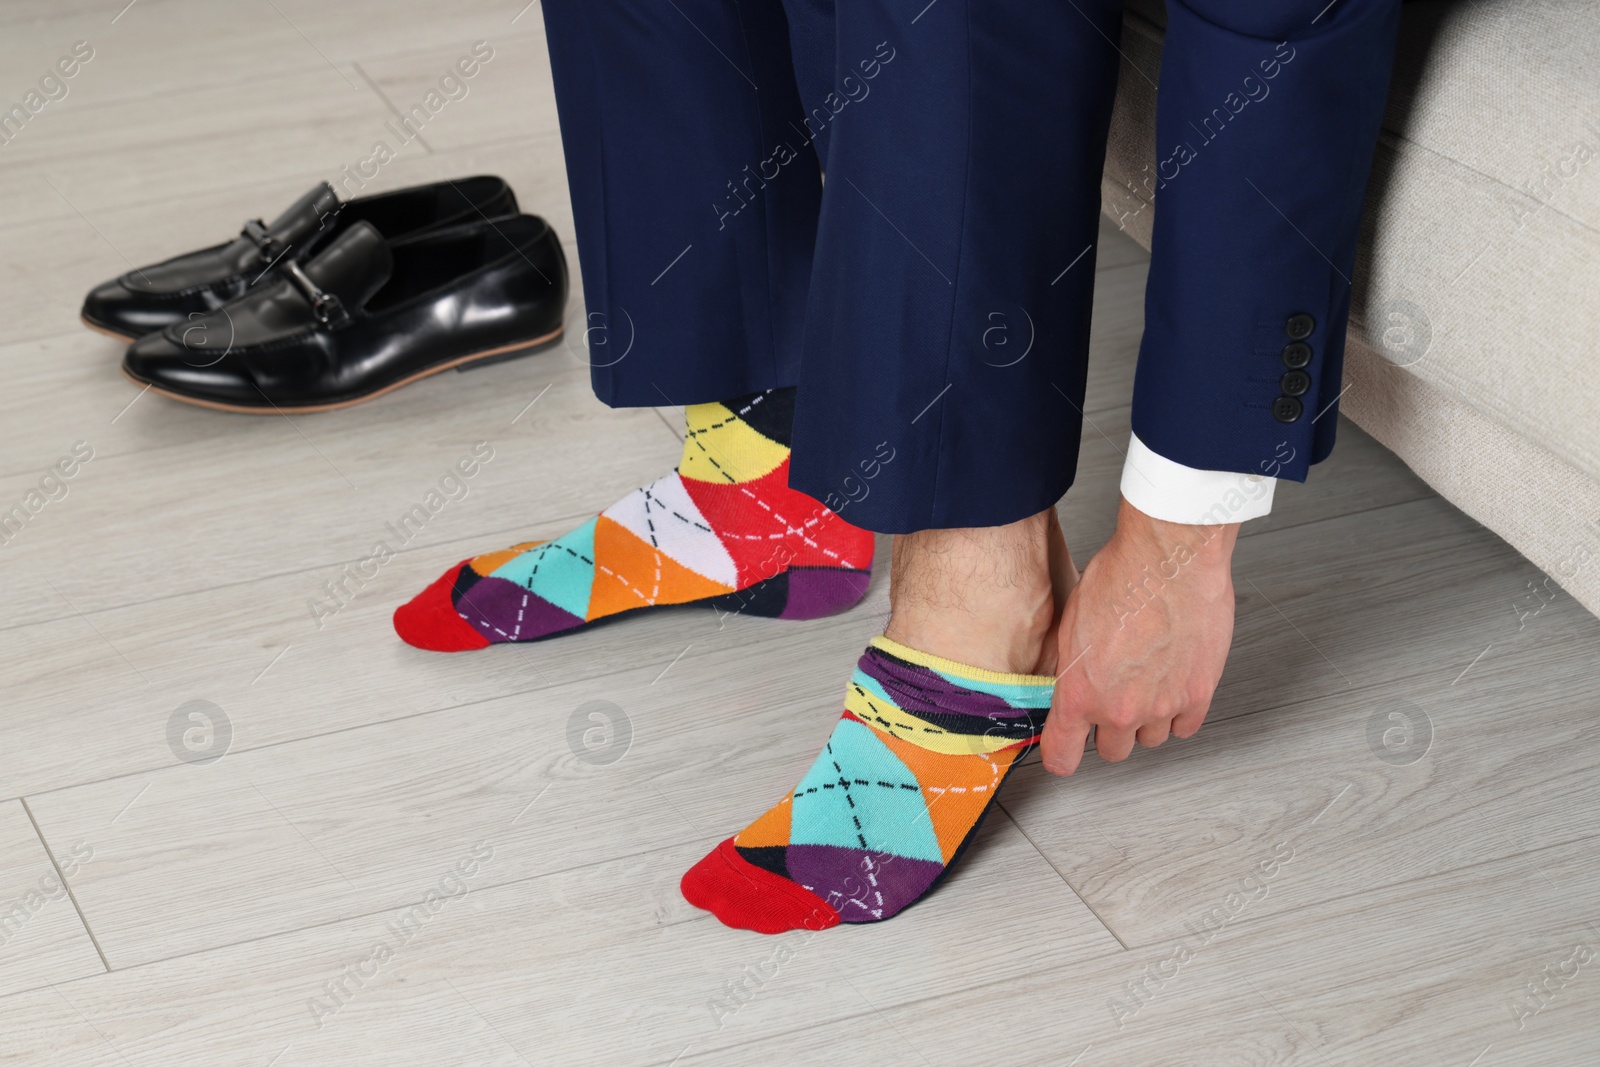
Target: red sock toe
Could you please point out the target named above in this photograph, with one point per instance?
(748, 897)
(429, 620)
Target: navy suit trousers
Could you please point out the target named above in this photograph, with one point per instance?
(894, 205)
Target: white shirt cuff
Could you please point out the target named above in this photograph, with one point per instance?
(1172, 492)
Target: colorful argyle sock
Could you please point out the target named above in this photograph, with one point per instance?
(723, 529)
(886, 810)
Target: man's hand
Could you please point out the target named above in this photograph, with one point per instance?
(1142, 640)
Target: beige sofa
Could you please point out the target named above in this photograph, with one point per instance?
(1474, 343)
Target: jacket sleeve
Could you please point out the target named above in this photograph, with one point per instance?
(1266, 121)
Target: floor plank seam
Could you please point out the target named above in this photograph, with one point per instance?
(504, 142)
(509, 531)
(1376, 509)
(416, 135)
(667, 423)
(519, 37)
(754, 642)
(1040, 852)
(526, 879)
(1261, 921)
(116, 206)
(65, 884)
(931, 996)
(29, 471)
(188, 89)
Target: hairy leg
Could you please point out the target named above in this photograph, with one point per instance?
(988, 596)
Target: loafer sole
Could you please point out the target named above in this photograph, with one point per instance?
(492, 355)
(100, 327)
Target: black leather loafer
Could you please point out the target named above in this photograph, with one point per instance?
(155, 297)
(366, 316)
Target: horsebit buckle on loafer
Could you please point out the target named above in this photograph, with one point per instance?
(328, 308)
(269, 245)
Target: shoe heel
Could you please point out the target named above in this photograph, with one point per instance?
(505, 355)
(798, 593)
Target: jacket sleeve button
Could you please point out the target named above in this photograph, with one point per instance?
(1296, 354)
(1299, 326)
(1286, 409)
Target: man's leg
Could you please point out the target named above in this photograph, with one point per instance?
(988, 596)
(940, 399)
(695, 189)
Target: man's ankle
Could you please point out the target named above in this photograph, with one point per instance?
(980, 596)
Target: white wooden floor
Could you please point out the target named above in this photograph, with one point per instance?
(1382, 849)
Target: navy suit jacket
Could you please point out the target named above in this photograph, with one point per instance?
(1267, 119)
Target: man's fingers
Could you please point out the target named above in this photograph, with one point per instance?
(1154, 733)
(1061, 748)
(1113, 743)
(1188, 723)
